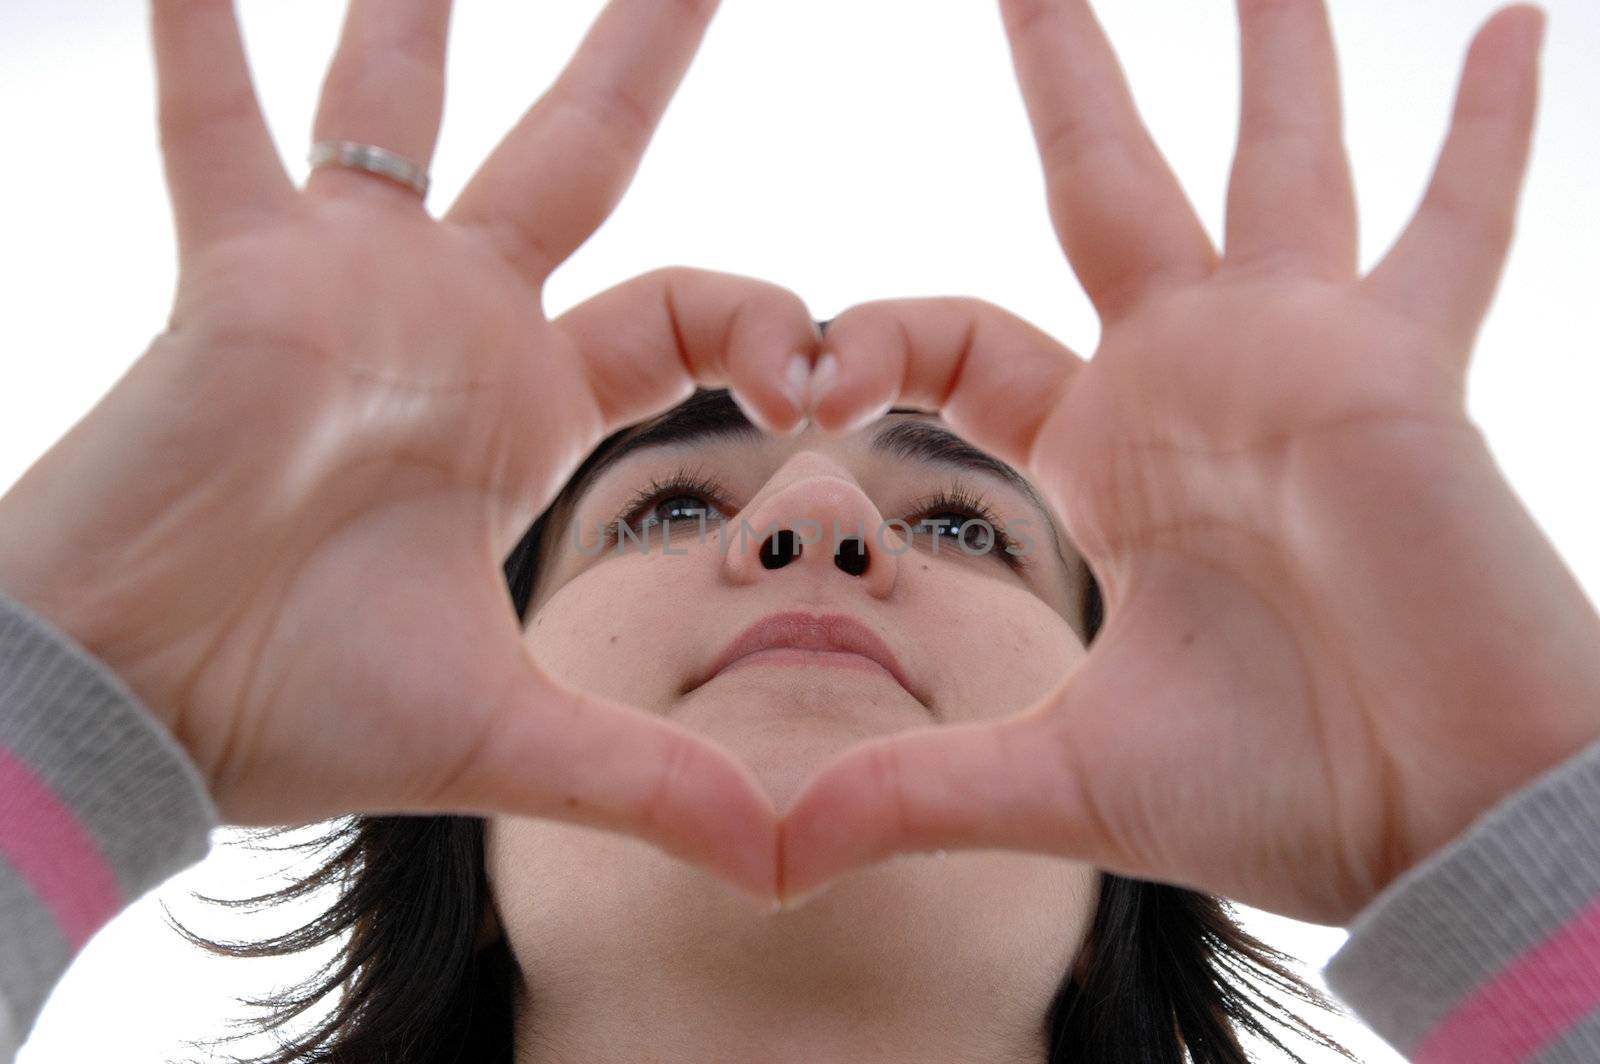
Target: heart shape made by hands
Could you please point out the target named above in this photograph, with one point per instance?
(1309, 558)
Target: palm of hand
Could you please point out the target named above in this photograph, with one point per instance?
(370, 460)
(1257, 466)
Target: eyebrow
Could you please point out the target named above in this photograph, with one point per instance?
(713, 416)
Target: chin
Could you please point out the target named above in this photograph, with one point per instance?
(786, 737)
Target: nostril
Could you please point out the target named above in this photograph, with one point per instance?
(852, 556)
(780, 549)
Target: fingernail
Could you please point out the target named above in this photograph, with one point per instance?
(750, 413)
(790, 904)
(795, 376)
(824, 378)
(866, 417)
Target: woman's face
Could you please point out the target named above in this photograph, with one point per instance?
(963, 951)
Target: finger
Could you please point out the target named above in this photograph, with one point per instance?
(551, 752)
(385, 87)
(646, 343)
(1291, 198)
(1120, 214)
(222, 169)
(558, 175)
(1447, 264)
(992, 785)
(634, 351)
(991, 375)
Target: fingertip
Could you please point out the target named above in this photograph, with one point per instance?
(1531, 23)
(760, 420)
(790, 903)
(1527, 27)
(1537, 17)
(825, 386)
(824, 378)
(796, 385)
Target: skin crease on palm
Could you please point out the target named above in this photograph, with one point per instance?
(630, 953)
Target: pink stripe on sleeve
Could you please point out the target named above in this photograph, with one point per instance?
(52, 850)
(1529, 1004)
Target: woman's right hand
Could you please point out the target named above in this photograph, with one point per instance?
(285, 526)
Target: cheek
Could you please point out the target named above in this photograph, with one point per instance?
(623, 610)
(1003, 650)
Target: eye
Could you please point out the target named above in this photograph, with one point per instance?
(968, 521)
(649, 505)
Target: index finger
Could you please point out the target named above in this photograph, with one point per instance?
(562, 170)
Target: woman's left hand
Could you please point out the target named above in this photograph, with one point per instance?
(1334, 636)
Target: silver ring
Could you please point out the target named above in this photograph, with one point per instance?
(372, 159)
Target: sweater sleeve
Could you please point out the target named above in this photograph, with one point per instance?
(1488, 952)
(99, 804)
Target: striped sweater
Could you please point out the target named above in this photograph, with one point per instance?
(1486, 953)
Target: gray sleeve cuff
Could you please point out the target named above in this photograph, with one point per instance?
(98, 805)
(1451, 927)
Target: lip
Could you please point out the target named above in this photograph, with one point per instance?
(798, 630)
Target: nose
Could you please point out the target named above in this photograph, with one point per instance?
(817, 530)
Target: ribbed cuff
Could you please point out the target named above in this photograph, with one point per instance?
(98, 805)
(1482, 949)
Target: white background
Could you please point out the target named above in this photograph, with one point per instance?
(849, 149)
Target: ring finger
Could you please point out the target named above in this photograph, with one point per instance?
(385, 87)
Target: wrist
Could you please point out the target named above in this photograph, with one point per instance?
(28, 575)
(44, 571)
(1561, 722)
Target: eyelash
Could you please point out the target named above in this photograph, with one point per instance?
(955, 499)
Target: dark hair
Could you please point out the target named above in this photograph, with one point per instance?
(1166, 975)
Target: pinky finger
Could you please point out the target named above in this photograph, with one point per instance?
(1448, 262)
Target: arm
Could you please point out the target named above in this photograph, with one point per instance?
(98, 805)
(1489, 951)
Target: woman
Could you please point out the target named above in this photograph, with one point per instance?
(1298, 698)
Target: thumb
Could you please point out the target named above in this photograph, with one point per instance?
(1008, 784)
(546, 750)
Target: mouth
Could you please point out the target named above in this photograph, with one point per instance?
(808, 639)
